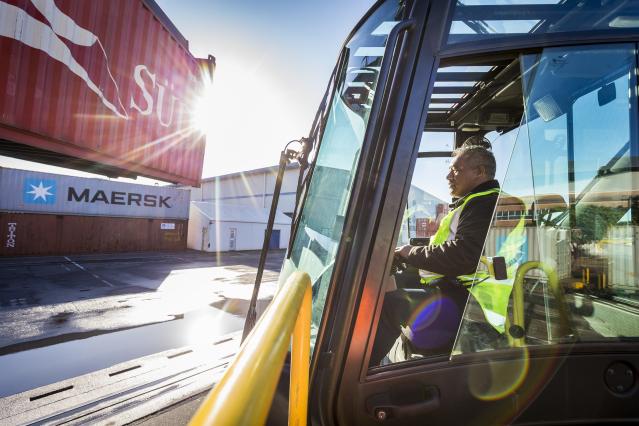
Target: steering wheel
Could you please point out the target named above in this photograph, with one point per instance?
(398, 265)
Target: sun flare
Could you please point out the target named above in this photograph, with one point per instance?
(204, 109)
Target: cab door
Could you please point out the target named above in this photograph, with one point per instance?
(560, 112)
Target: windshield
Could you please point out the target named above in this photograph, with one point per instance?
(322, 218)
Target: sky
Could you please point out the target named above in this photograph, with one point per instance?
(274, 59)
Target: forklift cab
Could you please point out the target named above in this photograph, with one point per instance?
(552, 85)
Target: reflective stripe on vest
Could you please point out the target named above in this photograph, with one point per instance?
(492, 295)
(444, 233)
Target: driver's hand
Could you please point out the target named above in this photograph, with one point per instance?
(399, 257)
(403, 251)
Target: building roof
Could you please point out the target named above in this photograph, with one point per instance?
(236, 213)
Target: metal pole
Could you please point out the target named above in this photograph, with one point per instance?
(251, 315)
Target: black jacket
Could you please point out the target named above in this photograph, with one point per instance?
(460, 256)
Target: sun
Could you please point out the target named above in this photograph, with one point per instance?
(204, 109)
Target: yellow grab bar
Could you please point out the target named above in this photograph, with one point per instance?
(518, 298)
(300, 360)
(488, 264)
(245, 393)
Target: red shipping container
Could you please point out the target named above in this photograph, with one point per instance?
(422, 227)
(47, 234)
(108, 82)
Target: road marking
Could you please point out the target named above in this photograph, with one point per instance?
(90, 273)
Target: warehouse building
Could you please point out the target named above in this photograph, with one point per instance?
(234, 200)
(229, 227)
(252, 188)
(51, 214)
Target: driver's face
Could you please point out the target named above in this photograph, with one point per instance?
(462, 177)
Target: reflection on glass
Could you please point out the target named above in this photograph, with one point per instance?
(573, 170)
(428, 200)
(446, 95)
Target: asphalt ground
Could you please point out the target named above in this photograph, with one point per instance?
(62, 316)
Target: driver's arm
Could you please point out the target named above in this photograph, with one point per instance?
(460, 255)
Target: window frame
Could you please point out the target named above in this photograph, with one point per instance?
(562, 348)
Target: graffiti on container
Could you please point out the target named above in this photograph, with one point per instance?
(59, 30)
(31, 31)
(11, 236)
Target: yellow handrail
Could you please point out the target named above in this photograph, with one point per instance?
(300, 360)
(245, 393)
(518, 298)
(489, 265)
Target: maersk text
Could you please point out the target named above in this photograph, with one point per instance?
(118, 198)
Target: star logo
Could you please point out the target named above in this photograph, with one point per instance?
(39, 191)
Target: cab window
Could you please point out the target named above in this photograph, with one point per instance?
(558, 263)
(573, 166)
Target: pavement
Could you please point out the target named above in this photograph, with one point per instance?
(58, 309)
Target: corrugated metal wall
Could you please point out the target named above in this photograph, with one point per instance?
(619, 249)
(37, 192)
(119, 95)
(48, 234)
(614, 257)
(548, 245)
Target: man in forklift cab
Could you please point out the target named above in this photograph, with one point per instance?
(426, 316)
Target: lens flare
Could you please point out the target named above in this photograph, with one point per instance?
(497, 379)
(434, 322)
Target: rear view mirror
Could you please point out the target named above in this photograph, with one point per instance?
(606, 94)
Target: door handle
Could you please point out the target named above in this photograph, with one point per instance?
(408, 410)
(389, 405)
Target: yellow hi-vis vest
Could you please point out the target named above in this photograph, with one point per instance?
(492, 295)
